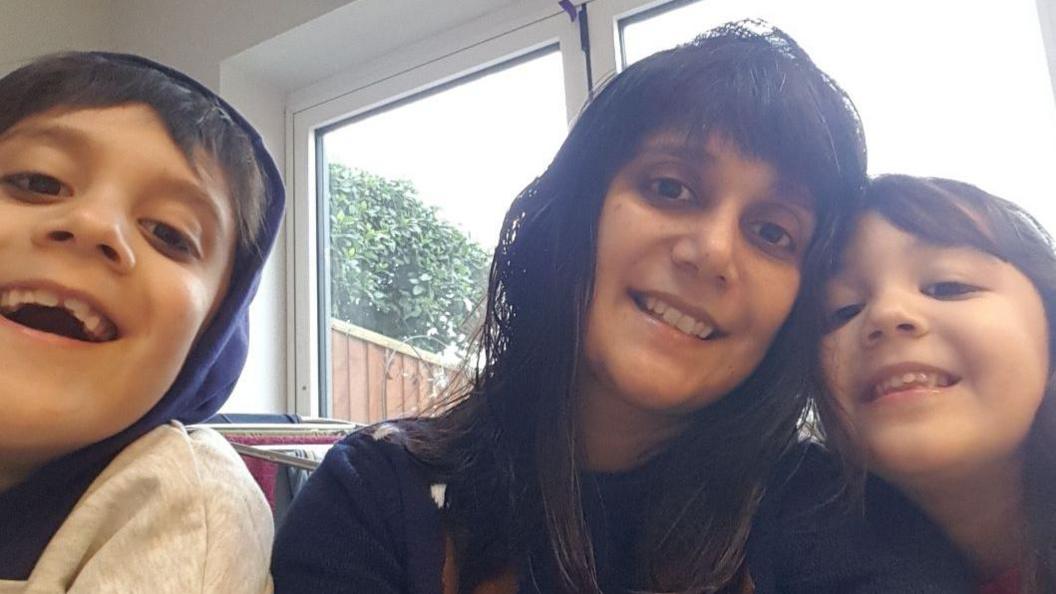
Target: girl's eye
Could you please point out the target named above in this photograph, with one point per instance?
(774, 235)
(36, 183)
(948, 290)
(670, 189)
(842, 315)
(172, 240)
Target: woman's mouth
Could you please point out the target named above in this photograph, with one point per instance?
(675, 317)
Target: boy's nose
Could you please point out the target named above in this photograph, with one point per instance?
(91, 232)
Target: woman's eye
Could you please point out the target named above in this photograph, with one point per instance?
(774, 235)
(841, 315)
(670, 189)
(173, 240)
(36, 183)
(948, 290)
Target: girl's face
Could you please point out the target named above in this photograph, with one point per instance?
(937, 356)
(698, 257)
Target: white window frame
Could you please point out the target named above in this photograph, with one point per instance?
(452, 55)
(448, 56)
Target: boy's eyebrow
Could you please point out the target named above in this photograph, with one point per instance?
(195, 194)
(51, 133)
(62, 135)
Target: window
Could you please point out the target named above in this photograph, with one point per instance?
(415, 193)
(403, 167)
(945, 88)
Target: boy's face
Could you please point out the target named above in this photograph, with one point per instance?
(114, 253)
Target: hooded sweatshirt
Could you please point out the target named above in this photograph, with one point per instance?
(156, 508)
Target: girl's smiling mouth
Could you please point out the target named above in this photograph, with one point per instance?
(899, 379)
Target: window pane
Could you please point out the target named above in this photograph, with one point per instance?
(945, 88)
(416, 196)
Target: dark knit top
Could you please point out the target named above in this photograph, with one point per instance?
(368, 521)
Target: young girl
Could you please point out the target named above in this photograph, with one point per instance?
(136, 210)
(938, 360)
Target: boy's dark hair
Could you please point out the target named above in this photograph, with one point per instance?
(946, 212)
(86, 80)
(506, 447)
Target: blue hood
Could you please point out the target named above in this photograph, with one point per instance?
(31, 512)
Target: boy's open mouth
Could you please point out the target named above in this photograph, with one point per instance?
(47, 311)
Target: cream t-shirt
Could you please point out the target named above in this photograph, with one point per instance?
(175, 511)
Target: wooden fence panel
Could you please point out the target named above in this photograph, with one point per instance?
(374, 378)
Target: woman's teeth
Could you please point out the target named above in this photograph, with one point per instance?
(908, 381)
(677, 319)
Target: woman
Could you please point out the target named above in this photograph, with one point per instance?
(637, 374)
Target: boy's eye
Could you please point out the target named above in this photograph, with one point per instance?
(36, 183)
(773, 235)
(171, 239)
(842, 315)
(948, 290)
(670, 189)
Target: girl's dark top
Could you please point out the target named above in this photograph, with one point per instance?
(369, 521)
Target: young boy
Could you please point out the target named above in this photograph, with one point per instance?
(136, 210)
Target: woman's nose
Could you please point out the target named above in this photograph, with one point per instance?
(706, 249)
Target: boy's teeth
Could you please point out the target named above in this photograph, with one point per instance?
(46, 298)
(95, 324)
(677, 319)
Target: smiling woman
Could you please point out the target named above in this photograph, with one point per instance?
(638, 378)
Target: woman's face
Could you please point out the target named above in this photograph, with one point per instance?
(698, 259)
(937, 356)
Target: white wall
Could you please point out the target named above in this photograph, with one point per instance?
(29, 28)
(195, 36)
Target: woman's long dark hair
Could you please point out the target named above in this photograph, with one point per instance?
(506, 445)
(952, 213)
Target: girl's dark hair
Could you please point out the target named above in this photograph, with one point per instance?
(506, 446)
(89, 80)
(952, 213)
